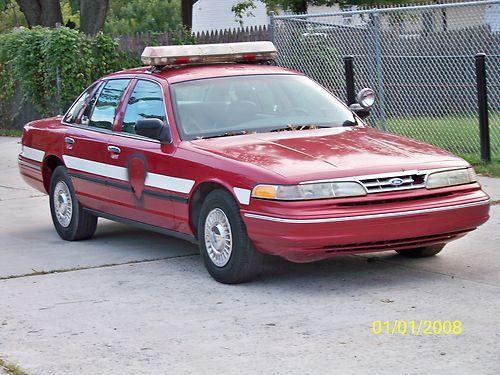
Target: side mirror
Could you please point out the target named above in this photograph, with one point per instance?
(153, 128)
(365, 100)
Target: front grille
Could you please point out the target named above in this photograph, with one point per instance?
(400, 181)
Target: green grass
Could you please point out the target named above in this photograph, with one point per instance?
(459, 134)
(11, 368)
(10, 132)
(491, 169)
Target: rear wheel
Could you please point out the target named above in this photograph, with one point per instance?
(422, 252)
(228, 253)
(72, 223)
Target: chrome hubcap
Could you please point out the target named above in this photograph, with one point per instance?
(63, 204)
(218, 238)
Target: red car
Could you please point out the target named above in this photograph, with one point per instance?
(213, 144)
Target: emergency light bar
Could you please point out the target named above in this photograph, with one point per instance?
(209, 53)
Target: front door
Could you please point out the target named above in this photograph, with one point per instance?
(149, 194)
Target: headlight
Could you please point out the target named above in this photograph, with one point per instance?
(451, 178)
(309, 191)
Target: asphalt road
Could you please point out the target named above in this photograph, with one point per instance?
(134, 302)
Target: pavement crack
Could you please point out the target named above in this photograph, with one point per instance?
(17, 198)
(41, 273)
(12, 187)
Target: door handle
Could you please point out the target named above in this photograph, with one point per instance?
(114, 149)
(69, 140)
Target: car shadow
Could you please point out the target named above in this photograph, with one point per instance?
(348, 272)
(353, 271)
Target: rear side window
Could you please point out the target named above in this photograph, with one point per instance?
(146, 102)
(104, 112)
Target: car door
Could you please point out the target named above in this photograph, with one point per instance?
(151, 189)
(86, 142)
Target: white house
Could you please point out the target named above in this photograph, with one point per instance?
(214, 15)
(211, 15)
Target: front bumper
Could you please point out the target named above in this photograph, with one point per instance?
(300, 238)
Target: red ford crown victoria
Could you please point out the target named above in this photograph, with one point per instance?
(213, 144)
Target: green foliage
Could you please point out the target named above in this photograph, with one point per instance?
(490, 169)
(10, 15)
(183, 35)
(50, 67)
(123, 17)
(70, 13)
(243, 8)
(126, 17)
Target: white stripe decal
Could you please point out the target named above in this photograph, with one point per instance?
(89, 166)
(180, 185)
(32, 153)
(176, 184)
(243, 195)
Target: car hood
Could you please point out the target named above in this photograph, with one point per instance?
(329, 153)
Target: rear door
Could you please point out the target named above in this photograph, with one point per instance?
(151, 191)
(90, 123)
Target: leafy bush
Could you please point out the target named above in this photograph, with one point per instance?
(126, 17)
(49, 68)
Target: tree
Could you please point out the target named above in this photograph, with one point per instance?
(48, 13)
(187, 13)
(93, 15)
(41, 12)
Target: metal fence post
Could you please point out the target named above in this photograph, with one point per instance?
(378, 62)
(58, 87)
(272, 27)
(349, 79)
(482, 101)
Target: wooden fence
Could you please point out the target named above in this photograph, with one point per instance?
(135, 43)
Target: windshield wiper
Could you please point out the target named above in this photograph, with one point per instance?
(292, 127)
(227, 134)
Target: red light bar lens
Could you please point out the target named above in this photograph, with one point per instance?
(182, 60)
(249, 56)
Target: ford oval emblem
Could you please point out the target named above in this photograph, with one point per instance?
(396, 181)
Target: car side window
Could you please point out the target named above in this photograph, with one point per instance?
(77, 106)
(146, 102)
(104, 112)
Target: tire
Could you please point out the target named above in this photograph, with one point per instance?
(422, 252)
(72, 223)
(230, 257)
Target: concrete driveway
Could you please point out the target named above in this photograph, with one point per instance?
(134, 302)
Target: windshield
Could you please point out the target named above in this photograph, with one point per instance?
(225, 106)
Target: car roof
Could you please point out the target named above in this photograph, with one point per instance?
(193, 72)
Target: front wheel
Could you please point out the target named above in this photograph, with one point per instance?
(421, 252)
(228, 253)
(72, 223)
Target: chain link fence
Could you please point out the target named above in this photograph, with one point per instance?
(418, 59)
